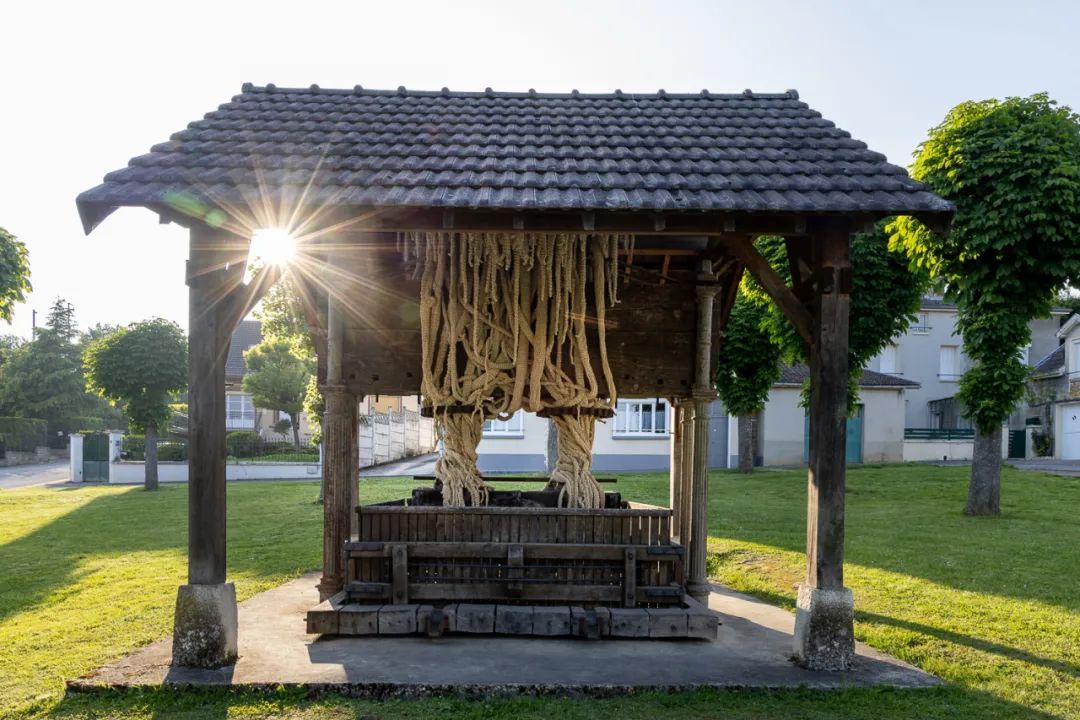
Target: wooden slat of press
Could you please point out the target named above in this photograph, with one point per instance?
(400, 575)
(665, 531)
(629, 587)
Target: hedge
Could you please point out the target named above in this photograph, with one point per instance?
(23, 434)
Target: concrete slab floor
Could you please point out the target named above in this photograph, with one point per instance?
(753, 651)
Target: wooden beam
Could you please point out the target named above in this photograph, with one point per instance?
(828, 416)
(774, 285)
(665, 268)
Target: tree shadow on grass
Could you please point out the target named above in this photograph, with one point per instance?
(909, 521)
(270, 534)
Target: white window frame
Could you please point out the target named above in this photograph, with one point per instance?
(630, 416)
(955, 374)
(239, 412)
(1074, 357)
(503, 429)
(891, 352)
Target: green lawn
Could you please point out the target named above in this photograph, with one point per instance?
(991, 605)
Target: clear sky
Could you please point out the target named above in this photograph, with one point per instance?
(86, 86)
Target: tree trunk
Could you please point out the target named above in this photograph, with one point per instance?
(746, 443)
(150, 453)
(984, 492)
(295, 419)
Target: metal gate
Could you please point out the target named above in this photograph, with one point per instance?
(1017, 444)
(96, 457)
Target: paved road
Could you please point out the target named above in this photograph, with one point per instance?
(31, 475)
(419, 465)
(1048, 465)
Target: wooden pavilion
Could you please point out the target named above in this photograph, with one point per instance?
(694, 178)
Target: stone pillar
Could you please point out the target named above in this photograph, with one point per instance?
(341, 474)
(75, 453)
(824, 618)
(704, 392)
(116, 445)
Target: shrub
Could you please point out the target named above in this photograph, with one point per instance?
(23, 434)
(172, 451)
(242, 443)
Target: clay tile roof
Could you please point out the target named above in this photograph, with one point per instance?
(795, 375)
(660, 151)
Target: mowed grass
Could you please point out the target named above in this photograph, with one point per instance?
(990, 605)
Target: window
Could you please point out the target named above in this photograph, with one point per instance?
(1074, 358)
(948, 365)
(922, 327)
(239, 412)
(514, 427)
(887, 363)
(641, 418)
(1025, 354)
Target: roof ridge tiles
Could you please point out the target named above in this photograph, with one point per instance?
(271, 89)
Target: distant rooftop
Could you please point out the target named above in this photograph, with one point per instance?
(247, 334)
(795, 375)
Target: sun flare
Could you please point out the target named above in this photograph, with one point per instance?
(273, 246)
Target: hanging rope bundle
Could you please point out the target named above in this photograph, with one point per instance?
(503, 317)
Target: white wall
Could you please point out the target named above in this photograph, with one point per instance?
(134, 473)
(883, 425)
(605, 442)
(783, 428)
(532, 440)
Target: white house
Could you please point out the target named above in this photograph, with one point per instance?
(638, 438)
(931, 354)
(1057, 379)
(875, 432)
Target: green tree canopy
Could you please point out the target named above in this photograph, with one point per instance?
(277, 378)
(140, 368)
(14, 273)
(1012, 168)
(749, 360)
(885, 297)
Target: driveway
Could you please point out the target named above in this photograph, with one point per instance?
(1048, 465)
(419, 465)
(32, 475)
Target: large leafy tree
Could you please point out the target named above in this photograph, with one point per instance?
(749, 365)
(14, 273)
(140, 367)
(1012, 168)
(885, 295)
(277, 378)
(43, 378)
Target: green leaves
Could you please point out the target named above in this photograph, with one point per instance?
(277, 376)
(1012, 168)
(14, 273)
(885, 295)
(749, 360)
(139, 367)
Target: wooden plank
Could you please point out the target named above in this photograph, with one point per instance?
(828, 415)
(630, 578)
(400, 574)
(515, 562)
(635, 509)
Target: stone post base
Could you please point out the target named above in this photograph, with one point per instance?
(824, 629)
(699, 592)
(204, 629)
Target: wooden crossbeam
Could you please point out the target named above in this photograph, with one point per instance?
(768, 278)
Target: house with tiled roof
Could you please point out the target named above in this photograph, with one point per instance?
(1055, 391)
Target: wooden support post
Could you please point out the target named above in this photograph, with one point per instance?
(341, 461)
(676, 469)
(205, 625)
(824, 634)
(704, 392)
